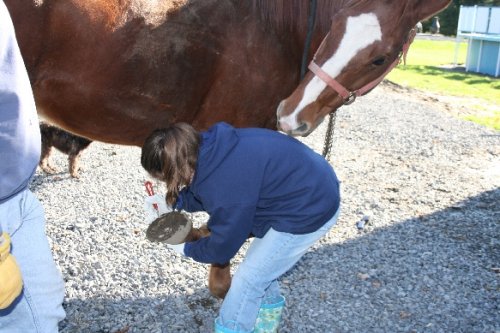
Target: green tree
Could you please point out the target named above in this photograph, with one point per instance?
(448, 18)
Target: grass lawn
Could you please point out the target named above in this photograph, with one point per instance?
(428, 68)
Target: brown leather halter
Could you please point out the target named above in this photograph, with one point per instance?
(350, 96)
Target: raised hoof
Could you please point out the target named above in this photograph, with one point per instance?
(171, 228)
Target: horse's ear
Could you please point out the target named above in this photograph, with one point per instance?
(424, 9)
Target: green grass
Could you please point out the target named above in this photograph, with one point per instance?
(426, 70)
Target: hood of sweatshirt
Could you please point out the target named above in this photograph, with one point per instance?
(216, 144)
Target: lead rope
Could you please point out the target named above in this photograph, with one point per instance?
(310, 29)
(327, 146)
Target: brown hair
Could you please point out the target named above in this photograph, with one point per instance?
(170, 154)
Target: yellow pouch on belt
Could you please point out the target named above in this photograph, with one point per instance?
(11, 282)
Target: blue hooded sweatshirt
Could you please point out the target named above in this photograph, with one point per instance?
(249, 180)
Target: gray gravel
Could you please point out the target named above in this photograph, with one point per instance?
(425, 258)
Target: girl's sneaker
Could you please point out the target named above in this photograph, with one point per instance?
(269, 317)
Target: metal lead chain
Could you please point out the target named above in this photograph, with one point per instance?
(331, 121)
(327, 148)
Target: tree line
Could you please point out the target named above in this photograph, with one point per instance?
(448, 18)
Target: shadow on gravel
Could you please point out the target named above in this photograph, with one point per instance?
(433, 273)
(39, 179)
(171, 313)
(450, 74)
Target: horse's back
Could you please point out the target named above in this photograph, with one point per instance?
(115, 70)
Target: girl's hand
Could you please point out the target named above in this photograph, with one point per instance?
(154, 206)
(179, 248)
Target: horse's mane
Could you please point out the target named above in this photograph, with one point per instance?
(291, 13)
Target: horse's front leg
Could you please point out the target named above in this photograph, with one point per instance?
(219, 277)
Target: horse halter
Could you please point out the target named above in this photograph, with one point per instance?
(350, 96)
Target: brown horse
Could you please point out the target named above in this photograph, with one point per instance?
(114, 70)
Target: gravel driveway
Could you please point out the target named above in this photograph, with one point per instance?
(426, 184)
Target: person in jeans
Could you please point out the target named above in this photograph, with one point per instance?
(250, 181)
(31, 286)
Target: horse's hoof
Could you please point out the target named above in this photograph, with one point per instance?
(171, 228)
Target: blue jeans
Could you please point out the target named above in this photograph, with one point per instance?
(39, 308)
(255, 279)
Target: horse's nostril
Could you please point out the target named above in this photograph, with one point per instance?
(302, 128)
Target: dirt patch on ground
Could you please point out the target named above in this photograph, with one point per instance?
(458, 106)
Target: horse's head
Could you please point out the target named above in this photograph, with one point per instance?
(364, 43)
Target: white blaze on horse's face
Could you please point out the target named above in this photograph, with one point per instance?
(360, 32)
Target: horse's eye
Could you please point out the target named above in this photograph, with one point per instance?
(379, 61)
